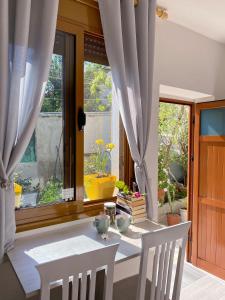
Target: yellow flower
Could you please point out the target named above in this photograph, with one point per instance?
(110, 146)
(99, 142)
(17, 188)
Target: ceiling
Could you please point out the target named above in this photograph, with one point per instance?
(171, 92)
(206, 17)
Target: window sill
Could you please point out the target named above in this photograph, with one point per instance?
(33, 218)
(89, 202)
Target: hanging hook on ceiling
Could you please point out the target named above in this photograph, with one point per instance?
(136, 2)
(161, 12)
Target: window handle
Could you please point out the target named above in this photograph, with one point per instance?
(81, 119)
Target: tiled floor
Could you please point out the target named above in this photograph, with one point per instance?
(199, 285)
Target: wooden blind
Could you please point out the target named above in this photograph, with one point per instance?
(94, 49)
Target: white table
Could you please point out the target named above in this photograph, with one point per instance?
(57, 243)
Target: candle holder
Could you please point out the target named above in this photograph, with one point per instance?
(110, 210)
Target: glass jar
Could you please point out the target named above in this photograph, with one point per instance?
(110, 210)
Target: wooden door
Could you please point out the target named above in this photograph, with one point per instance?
(208, 251)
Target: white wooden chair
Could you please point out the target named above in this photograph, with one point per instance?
(160, 287)
(78, 268)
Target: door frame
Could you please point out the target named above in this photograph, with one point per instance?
(190, 163)
(194, 256)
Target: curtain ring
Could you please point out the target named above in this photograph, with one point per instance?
(140, 165)
(4, 183)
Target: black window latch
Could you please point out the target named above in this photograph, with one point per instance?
(81, 119)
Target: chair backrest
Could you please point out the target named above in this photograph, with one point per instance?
(76, 269)
(164, 241)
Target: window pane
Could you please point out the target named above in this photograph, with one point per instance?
(30, 153)
(213, 121)
(101, 135)
(39, 176)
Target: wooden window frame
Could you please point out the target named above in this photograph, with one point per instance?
(32, 218)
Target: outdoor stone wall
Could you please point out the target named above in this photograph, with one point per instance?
(47, 136)
(47, 139)
(98, 126)
(49, 142)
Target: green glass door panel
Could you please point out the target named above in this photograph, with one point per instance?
(213, 122)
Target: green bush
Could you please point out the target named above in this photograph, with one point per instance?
(51, 191)
(173, 146)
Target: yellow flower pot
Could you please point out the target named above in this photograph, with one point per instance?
(18, 195)
(99, 187)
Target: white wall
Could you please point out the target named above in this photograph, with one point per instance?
(187, 60)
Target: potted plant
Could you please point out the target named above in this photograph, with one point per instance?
(51, 192)
(25, 193)
(123, 189)
(100, 184)
(18, 194)
(172, 217)
(161, 196)
(126, 193)
(183, 212)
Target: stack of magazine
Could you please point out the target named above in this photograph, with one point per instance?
(133, 206)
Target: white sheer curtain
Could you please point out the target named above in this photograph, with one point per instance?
(129, 34)
(27, 32)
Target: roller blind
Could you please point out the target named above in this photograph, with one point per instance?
(94, 49)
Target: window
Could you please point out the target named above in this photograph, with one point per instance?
(52, 186)
(40, 176)
(101, 134)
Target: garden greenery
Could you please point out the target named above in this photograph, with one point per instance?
(173, 147)
(98, 88)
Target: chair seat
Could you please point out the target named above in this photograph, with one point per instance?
(126, 289)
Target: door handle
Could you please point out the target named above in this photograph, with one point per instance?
(81, 119)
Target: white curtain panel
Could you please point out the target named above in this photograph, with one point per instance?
(129, 34)
(27, 32)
